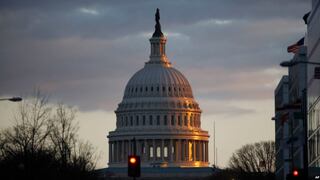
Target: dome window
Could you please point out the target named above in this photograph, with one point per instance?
(169, 89)
(179, 120)
(165, 120)
(136, 89)
(137, 120)
(126, 120)
(151, 88)
(150, 120)
(158, 88)
(158, 152)
(165, 152)
(158, 120)
(131, 121)
(151, 152)
(140, 89)
(146, 89)
(143, 120)
(163, 89)
(186, 120)
(172, 120)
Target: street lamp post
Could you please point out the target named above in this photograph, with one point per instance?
(12, 99)
(303, 109)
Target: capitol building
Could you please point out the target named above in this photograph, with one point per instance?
(158, 117)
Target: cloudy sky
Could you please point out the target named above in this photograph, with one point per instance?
(84, 52)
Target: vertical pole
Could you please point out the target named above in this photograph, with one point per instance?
(216, 156)
(214, 143)
(134, 150)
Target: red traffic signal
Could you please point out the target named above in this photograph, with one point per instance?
(133, 160)
(134, 168)
(296, 174)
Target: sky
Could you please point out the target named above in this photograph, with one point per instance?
(84, 52)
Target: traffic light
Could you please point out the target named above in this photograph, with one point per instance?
(134, 168)
(296, 174)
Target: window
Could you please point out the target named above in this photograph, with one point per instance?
(158, 120)
(186, 120)
(172, 120)
(143, 120)
(151, 152)
(165, 152)
(158, 152)
(146, 89)
(131, 121)
(191, 121)
(169, 89)
(165, 120)
(137, 120)
(158, 89)
(151, 88)
(126, 120)
(150, 120)
(179, 120)
(163, 89)
(140, 89)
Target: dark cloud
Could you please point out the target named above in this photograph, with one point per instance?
(84, 52)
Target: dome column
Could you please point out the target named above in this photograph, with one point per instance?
(110, 157)
(207, 152)
(170, 150)
(154, 149)
(122, 151)
(194, 150)
(162, 149)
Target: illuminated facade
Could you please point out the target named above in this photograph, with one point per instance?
(159, 114)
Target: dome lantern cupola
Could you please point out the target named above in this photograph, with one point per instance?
(158, 45)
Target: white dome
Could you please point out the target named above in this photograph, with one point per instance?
(158, 110)
(158, 80)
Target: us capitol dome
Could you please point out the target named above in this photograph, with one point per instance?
(158, 117)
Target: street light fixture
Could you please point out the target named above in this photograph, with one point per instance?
(12, 99)
(293, 63)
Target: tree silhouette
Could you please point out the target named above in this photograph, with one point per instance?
(43, 144)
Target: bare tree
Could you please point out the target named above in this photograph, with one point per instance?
(43, 143)
(63, 133)
(254, 158)
(31, 129)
